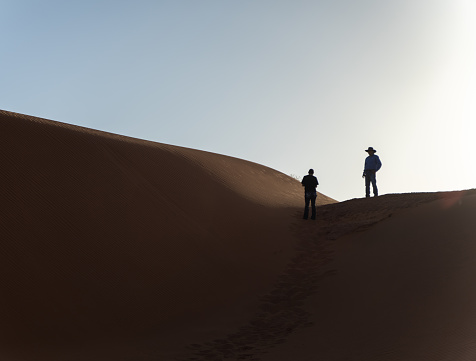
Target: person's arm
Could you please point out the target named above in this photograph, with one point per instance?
(379, 163)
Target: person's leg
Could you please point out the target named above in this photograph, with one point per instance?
(306, 207)
(374, 184)
(367, 184)
(313, 207)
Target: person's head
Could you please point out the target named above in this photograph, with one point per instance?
(371, 151)
(311, 171)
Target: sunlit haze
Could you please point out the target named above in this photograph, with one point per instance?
(291, 85)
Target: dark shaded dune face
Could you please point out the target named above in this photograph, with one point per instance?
(104, 236)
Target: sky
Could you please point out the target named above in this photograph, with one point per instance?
(292, 85)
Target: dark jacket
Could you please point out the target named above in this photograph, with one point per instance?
(372, 162)
(310, 183)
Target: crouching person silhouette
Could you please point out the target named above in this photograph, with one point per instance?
(309, 182)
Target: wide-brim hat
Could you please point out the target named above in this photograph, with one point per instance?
(371, 149)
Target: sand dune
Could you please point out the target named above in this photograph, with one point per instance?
(109, 239)
(375, 279)
(114, 248)
(400, 290)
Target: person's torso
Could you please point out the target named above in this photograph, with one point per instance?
(310, 183)
(372, 162)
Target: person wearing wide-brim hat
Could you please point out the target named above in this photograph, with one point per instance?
(371, 167)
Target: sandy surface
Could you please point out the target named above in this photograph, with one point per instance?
(113, 248)
(400, 290)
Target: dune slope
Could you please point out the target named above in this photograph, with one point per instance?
(114, 248)
(399, 285)
(108, 239)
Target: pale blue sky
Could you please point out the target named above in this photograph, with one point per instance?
(287, 84)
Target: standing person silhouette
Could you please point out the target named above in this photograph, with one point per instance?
(309, 182)
(371, 167)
